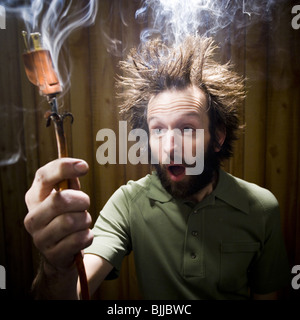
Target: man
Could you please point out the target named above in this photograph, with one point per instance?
(201, 236)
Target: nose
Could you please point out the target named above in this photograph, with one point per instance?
(172, 145)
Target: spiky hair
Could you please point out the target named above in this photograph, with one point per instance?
(155, 67)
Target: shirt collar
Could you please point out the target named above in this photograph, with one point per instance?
(156, 191)
(230, 191)
(227, 190)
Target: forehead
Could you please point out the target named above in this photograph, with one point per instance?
(190, 100)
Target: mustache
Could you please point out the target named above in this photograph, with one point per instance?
(183, 164)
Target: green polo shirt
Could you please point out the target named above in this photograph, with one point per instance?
(215, 249)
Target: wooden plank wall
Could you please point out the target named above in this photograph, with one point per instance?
(267, 53)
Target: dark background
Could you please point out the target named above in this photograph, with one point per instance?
(267, 153)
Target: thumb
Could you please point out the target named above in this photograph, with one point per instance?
(54, 172)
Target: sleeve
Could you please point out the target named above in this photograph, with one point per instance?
(112, 231)
(271, 272)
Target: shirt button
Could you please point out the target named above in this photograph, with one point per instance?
(193, 256)
(195, 233)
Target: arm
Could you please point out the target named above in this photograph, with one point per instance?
(59, 225)
(51, 284)
(270, 272)
(97, 269)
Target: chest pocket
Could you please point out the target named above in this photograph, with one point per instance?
(236, 258)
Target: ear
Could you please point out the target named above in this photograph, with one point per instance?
(220, 137)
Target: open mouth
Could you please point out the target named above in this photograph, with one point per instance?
(176, 172)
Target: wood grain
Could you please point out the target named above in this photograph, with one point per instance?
(266, 53)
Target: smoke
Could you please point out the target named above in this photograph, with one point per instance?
(10, 136)
(173, 20)
(117, 11)
(55, 20)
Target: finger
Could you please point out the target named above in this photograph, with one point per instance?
(74, 184)
(62, 254)
(61, 227)
(68, 184)
(48, 176)
(54, 205)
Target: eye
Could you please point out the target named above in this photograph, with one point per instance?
(188, 129)
(157, 131)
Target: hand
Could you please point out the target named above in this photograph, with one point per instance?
(58, 221)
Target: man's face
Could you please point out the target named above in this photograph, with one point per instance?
(175, 113)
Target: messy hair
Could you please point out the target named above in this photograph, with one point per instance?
(155, 67)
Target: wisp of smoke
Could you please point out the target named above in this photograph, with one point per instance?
(175, 19)
(55, 20)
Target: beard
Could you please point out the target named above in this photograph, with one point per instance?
(190, 184)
